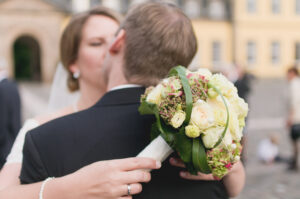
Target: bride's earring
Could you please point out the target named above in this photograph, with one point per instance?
(76, 74)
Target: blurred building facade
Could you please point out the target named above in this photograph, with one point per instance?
(262, 36)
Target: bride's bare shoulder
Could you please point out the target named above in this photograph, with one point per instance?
(56, 114)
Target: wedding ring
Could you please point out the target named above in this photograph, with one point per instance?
(128, 189)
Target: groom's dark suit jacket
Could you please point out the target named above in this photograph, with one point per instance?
(111, 129)
(10, 117)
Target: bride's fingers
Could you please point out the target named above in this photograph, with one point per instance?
(125, 197)
(177, 162)
(199, 176)
(134, 189)
(136, 176)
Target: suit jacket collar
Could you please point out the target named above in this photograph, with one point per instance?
(121, 97)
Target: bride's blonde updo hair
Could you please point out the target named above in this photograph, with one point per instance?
(71, 38)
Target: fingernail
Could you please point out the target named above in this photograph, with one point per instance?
(182, 174)
(158, 164)
(173, 160)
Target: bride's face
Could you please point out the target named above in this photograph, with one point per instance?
(96, 36)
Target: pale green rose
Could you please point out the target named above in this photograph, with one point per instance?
(191, 76)
(192, 131)
(155, 95)
(212, 93)
(204, 72)
(171, 86)
(202, 115)
(175, 84)
(223, 84)
(195, 75)
(178, 119)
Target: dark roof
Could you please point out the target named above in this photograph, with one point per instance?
(61, 5)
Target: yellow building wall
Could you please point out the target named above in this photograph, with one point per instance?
(208, 31)
(263, 27)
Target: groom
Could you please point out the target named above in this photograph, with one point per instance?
(153, 38)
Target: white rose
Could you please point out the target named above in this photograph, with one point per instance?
(224, 85)
(202, 115)
(219, 110)
(155, 95)
(239, 106)
(178, 119)
(220, 115)
(234, 126)
(227, 140)
(212, 136)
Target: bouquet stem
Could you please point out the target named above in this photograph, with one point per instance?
(158, 149)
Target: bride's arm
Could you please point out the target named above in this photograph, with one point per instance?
(103, 179)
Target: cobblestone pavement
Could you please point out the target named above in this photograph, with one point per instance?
(267, 116)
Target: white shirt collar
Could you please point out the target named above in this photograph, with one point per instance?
(3, 75)
(125, 86)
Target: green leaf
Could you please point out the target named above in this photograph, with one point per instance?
(190, 167)
(199, 157)
(147, 108)
(183, 146)
(227, 113)
(154, 131)
(181, 72)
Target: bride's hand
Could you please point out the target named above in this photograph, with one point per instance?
(233, 181)
(110, 179)
(186, 175)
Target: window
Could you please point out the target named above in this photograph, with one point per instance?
(192, 8)
(297, 57)
(275, 52)
(276, 6)
(112, 4)
(251, 52)
(216, 9)
(251, 6)
(216, 56)
(196, 62)
(95, 3)
(297, 7)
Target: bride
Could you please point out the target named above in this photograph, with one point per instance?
(82, 48)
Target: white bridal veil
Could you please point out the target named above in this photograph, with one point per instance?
(60, 96)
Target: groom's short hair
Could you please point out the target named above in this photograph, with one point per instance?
(158, 37)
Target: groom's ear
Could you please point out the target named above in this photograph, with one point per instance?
(118, 42)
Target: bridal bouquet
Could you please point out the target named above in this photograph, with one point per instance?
(200, 116)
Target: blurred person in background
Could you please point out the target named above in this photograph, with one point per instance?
(293, 121)
(10, 112)
(83, 46)
(243, 84)
(268, 149)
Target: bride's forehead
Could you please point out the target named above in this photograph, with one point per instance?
(99, 26)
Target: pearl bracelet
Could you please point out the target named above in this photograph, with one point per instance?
(43, 187)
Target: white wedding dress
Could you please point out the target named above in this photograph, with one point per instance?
(16, 155)
(59, 97)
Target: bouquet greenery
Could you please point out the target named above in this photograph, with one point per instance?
(200, 116)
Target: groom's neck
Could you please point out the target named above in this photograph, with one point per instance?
(116, 77)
